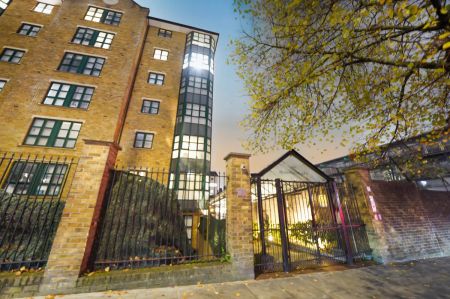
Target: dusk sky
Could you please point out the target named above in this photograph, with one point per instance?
(230, 100)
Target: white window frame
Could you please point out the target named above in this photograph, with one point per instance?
(160, 54)
(44, 8)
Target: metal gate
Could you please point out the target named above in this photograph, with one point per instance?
(297, 224)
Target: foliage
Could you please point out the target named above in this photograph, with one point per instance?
(215, 232)
(302, 231)
(142, 221)
(380, 69)
(27, 226)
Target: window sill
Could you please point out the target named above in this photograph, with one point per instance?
(141, 148)
(77, 74)
(47, 147)
(89, 47)
(64, 107)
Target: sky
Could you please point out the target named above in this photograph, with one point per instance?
(230, 100)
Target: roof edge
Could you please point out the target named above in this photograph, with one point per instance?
(298, 156)
(183, 25)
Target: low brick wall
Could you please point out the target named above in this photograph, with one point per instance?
(12, 286)
(27, 284)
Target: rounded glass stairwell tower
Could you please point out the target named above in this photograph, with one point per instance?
(191, 153)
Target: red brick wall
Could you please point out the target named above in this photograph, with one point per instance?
(414, 224)
(437, 206)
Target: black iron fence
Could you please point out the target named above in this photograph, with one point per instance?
(32, 196)
(301, 223)
(145, 224)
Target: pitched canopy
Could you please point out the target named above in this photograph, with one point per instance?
(293, 167)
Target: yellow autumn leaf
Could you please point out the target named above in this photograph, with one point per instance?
(444, 35)
(446, 46)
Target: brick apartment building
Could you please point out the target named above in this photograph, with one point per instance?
(105, 71)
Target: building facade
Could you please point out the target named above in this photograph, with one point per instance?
(104, 70)
(430, 169)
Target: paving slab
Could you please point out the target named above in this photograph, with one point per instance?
(419, 279)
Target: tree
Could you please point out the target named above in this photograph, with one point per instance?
(380, 69)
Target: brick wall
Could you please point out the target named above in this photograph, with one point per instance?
(239, 215)
(437, 207)
(402, 222)
(29, 80)
(27, 284)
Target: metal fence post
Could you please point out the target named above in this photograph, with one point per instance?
(283, 231)
(348, 248)
(261, 217)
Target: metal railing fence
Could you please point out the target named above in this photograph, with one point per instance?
(32, 197)
(143, 224)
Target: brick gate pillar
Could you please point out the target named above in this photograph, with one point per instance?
(75, 235)
(239, 222)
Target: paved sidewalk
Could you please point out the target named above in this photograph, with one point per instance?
(421, 279)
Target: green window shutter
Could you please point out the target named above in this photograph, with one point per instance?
(94, 38)
(103, 18)
(38, 175)
(69, 95)
(52, 138)
(83, 64)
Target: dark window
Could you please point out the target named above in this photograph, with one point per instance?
(93, 38)
(53, 133)
(29, 29)
(101, 15)
(3, 5)
(11, 55)
(143, 140)
(69, 95)
(82, 64)
(164, 33)
(155, 78)
(150, 107)
(29, 178)
(2, 84)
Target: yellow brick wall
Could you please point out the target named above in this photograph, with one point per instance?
(29, 81)
(162, 124)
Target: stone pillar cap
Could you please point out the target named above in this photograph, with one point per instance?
(236, 155)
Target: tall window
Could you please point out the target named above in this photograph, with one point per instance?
(69, 95)
(196, 114)
(11, 55)
(35, 178)
(155, 78)
(53, 133)
(93, 38)
(197, 85)
(161, 54)
(29, 29)
(192, 147)
(3, 5)
(164, 33)
(150, 107)
(2, 84)
(82, 64)
(101, 15)
(143, 140)
(43, 8)
(188, 223)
